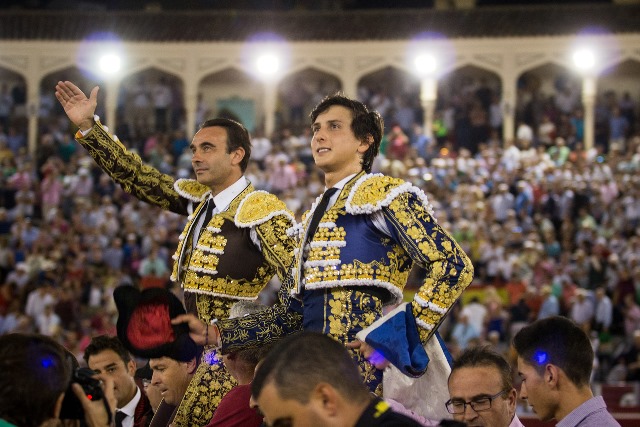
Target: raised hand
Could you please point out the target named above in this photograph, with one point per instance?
(78, 107)
(200, 332)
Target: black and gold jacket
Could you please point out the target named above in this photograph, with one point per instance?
(224, 265)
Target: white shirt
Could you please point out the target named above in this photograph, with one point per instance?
(222, 201)
(604, 312)
(130, 409)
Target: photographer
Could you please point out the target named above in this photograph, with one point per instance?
(34, 376)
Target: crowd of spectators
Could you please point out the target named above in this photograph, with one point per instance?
(551, 227)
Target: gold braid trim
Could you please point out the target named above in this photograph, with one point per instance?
(449, 270)
(192, 189)
(126, 168)
(210, 383)
(258, 207)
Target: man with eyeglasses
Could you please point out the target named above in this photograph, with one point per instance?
(481, 390)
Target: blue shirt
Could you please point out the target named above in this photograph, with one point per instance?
(593, 412)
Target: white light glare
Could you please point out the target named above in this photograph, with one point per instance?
(110, 63)
(425, 64)
(584, 59)
(268, 64)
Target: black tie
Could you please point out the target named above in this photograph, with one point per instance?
(209, 213)
(119, 417)
(317, 214)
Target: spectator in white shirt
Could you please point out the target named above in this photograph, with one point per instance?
(476, 313)
(48, 323)
(604, 311)
(582, 308)
(38, 299)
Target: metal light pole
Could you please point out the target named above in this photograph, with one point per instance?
(426, 66)
(584, 60)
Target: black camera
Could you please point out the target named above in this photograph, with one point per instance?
(71, 406)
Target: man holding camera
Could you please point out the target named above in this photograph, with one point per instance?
(106, 355)
(35, 372)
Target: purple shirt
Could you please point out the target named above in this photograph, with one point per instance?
(593, 412)
(515, 422)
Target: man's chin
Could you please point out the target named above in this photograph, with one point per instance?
(202, 181)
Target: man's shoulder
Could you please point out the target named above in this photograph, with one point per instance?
(372, 192)
(241, 392)
(234, 409)
(191, 189)
(143, 412)
(379, 413)
(258, 207)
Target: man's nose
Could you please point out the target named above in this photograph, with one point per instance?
(523, 392)
(319, 134)
(469, 412)
(155, 379)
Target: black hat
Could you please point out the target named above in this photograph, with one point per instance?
(144, 324)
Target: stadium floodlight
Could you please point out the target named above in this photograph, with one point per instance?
(268, 65)
(425, 64)
(110, 63)
(584, 59)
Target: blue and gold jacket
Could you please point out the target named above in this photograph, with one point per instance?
(349, 250)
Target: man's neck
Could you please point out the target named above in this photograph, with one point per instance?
(244, 377)
(350, 414)
(217, 189)
(332, 178)
(129, 398)
(573, 399)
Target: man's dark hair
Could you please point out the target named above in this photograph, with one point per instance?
(560, 342)
(106, 342)
(34, 372)
(297, 364)
(364, 123)
(483, 356)
(237, 137)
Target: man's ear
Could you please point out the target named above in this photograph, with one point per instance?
(131, 367)
(512, 398)
(327, 398)
(551, 375)
(237, 155)
(192, 365)
(365, 144)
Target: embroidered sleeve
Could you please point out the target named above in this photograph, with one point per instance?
(277, 247)
(448, 268)
(271, 219)
(127, 169)
(265, 327)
